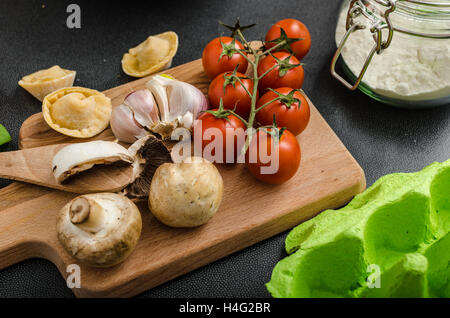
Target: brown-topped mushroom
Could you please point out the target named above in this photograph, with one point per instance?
(99, 229)
(186, 194)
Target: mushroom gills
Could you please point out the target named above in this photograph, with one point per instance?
(149, 153)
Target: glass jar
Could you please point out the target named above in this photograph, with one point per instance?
(395, 51)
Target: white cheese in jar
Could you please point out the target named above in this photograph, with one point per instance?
(411, 68)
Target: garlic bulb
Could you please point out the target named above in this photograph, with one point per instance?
(165, 105)
(179, 104)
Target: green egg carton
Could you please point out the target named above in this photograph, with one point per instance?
(390, 241)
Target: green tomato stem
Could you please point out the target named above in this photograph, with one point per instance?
(239, 117)
(268, 71)
(267, 104)
(245, 88)
(273, 48)
(254, 63)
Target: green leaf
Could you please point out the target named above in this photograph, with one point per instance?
(4, 135)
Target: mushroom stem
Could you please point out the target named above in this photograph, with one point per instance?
(79, 210)
(87, 214)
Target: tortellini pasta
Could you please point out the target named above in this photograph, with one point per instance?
(44, 82)
(152, 55)
(77, 111)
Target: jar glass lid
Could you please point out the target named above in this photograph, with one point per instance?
(424, 18)
(428, 19)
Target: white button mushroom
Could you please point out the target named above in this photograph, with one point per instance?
(99, 229)
(186, 194)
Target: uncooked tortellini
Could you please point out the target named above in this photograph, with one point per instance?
(151, 56)
(44, 82)
(77, 111)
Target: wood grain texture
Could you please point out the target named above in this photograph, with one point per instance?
(34, 166)
(250, 212)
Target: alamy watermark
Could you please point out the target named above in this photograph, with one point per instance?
(227, 147)
(73, 280)
(73, 21)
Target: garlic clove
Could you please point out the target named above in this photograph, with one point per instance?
(187, 120)
(124, 126)
(186, 100)
(144, 107)
(200, 105)
(179, 104)
(165, 127)
(159, 90)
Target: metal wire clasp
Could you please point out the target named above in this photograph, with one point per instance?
(358, 8)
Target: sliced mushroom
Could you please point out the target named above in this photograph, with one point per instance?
(79, 157)
(99, 229)
(149, 153)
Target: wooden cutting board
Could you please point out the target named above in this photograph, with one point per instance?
(250, 212)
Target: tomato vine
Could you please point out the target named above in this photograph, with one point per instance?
(257, 54)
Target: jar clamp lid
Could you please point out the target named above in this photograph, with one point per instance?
(378, 23)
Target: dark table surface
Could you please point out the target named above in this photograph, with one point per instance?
(34, 35)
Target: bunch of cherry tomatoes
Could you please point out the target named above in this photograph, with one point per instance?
(279, 112)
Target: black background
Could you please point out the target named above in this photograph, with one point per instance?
(33, 36)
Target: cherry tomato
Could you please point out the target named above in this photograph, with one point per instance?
(219, 124)
(286, 74)
(294, 29)
(278, 168)
(220, 56)
(291, 110)
(235, 95)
